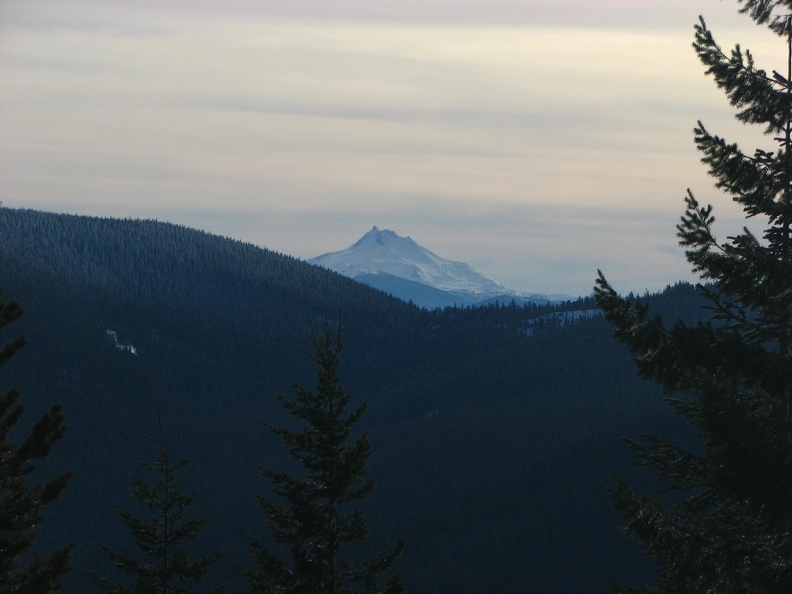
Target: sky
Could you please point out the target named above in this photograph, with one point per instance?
(536, 140)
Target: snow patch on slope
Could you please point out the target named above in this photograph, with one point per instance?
(112, 335)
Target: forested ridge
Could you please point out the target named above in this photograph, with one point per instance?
(494, 430)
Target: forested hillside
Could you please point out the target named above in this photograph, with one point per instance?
(494, 430)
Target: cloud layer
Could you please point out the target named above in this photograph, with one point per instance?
(537, 141)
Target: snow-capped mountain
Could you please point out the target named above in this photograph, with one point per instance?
(401, 267)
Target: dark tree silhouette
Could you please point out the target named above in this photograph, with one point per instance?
(21, 504)
(318, 520)
(726, 526)
(166, 566)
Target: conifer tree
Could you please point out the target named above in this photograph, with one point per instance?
(726, 526)
(317, 522)
(21, 504)
(165, 566)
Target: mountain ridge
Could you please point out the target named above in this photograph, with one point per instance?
(486, 437)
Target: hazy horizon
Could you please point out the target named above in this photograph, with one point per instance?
(535, 140)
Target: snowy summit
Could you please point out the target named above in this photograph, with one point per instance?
(401, 267)
(385, 252)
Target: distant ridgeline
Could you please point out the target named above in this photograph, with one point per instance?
(494, 430)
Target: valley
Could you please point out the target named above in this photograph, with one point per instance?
(492, 447)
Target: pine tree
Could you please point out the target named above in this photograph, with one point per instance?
(166, 567)
(315, 522)
(724, 525)
(21, 505)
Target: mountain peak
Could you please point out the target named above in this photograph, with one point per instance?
(384, 239)
(384, 253)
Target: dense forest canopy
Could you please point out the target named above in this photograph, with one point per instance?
(493, 430)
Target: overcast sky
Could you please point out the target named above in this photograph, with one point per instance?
(536, 140)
